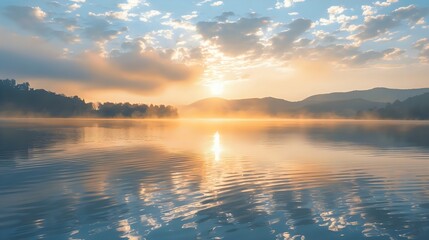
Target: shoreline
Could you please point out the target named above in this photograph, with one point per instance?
(216, 119)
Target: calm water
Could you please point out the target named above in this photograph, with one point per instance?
(124, 179)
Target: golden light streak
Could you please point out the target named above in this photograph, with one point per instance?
(216, 148)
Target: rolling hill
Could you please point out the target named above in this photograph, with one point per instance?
(383, 95)
(344, 105)
(413, 108)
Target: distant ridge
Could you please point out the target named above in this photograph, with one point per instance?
(339, 104)
(413, 108)
(384, 95)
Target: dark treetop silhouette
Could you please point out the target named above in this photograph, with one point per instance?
(21, 100)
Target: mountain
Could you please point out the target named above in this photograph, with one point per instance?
(416, 107)
(341, 108)
(346, 104)
(219, 107)
(383, 95)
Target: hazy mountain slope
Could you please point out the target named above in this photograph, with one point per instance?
(348, 105)
(218, 107)
(271, 107)
(384, 95)
(344, 108)
(416, 107)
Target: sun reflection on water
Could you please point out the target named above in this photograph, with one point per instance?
(216, 148)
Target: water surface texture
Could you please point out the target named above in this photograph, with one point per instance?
(128, 179)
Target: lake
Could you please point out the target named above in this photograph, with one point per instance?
(213, 179)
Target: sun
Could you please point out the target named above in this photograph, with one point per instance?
(216, 88)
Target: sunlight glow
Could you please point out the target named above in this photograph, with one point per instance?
(216, 88)
(216, 146)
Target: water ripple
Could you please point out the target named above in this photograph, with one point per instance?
(160, 180)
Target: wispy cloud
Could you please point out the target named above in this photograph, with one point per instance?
(216, 4)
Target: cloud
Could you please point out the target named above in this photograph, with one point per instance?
(324, 37)
(188, 17)
(367, 10)
(124, 10)
(74, 6)
(54, 4)
(336, 16)
(216, 4)
(69, 23)
(423, 46)
(179, 24)
(35, 58)
(33, 19)
(374, 26)
(371, 55)
(234, 38)
(283, 41)
(130, 4)
(421, 43)
(203, 2)
(386, 3)
(336, 10)
(134, 69)
(410, 13)
(99, 29)
(344, 56)
(336, 53)
(224, 16)
(404, 38)
(286, 3)
(146, 16)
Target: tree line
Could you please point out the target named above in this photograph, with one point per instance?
(22, 100)
(413, 108)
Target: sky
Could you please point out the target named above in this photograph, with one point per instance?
(179, 51)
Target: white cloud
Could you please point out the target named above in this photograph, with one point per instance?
(336, 10)
(336, 16)
(367, 10)
(39, 13)
(386, 3)
(146, 16)
(179, 24)
(413, 14)
(203, 2)
(404, 38)
(423, 46)
(393, 54)
(166, 15)
(188, 17)
(293, 13)
(216, 4)
(78, 1)
(129, 5)
(125, 8)
(384, 39)
(74, 6)
(421, 43)
(286, 3)
(167, 34)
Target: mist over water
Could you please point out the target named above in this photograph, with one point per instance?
(295, 179)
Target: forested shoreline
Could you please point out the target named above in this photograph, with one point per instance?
(22, 100)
